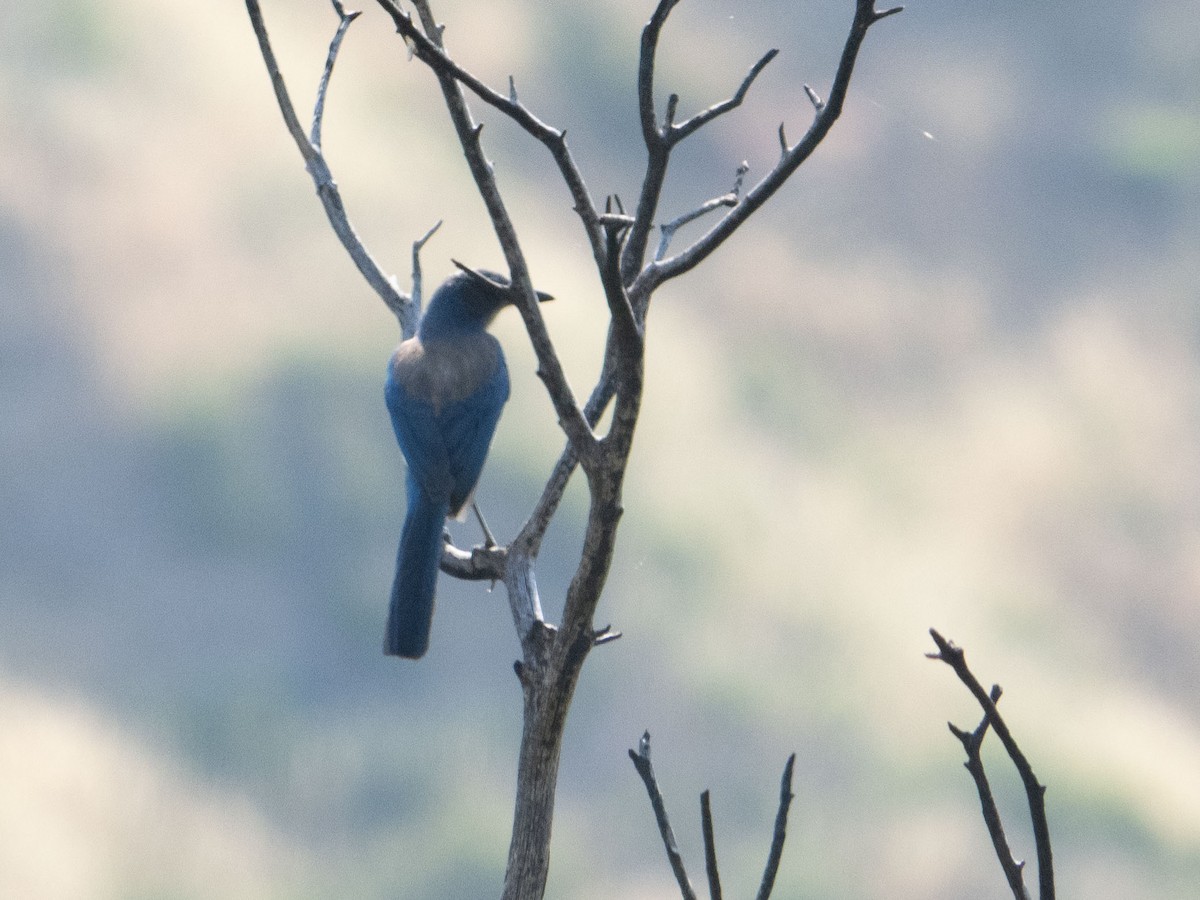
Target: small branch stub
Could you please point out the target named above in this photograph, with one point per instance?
(814, 98)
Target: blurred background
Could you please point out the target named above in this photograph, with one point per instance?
(949, 378)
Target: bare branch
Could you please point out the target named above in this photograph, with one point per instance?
(626, 330)
(1035, 792)
(610, 219)
(679, 132)
(530, 536)
(549, 367)
(344, 21)
(972, 742)
(659, 142)
(658, 150)
(646, 62)
(307, 150)
(553, 656)
(428, 48)
(524, 602)
(667, 230)
(417, 247)
(656, 272)
(476, 564)
(383, 285)
(605, 481)
(710, 848)
(641, 762)
(781, 817)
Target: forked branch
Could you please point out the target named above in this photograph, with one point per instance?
(428, 47)
(432, 52)
(1035, 792)
(791, 158)
(661, 140)
(314, 159)
(667, 230)
(678, 132)
(345, 19)
(972, 742)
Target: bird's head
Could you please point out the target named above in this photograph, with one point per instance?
(469, 299)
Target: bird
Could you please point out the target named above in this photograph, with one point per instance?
(446, 387)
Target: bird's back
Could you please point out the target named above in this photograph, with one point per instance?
(442, 372)
(445, 398)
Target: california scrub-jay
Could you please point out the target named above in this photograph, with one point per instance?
(445, 389)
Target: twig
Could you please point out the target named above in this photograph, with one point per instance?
(417, 247)
(450, 76)
(383, 285)
(710, 848)
(344, 21)
(1035, 792)
(489, 541)
(627, 330)
(972, 742)
(646, 62)
(641, 762)
(814, 98)
(534, 529)
(781, 817)
(476, 564)
(605, 635)
(660, 141)
(658, 151)
(865, 15)
(682, 130)
(428, 48)
(668, 229)
(530, 536)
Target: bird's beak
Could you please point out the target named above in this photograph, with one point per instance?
(542, 296)
(502, 285)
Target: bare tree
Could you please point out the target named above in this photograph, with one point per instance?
(553, 654)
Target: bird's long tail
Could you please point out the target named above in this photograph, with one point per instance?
(411, 611)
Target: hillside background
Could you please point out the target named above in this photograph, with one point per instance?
(950, 378)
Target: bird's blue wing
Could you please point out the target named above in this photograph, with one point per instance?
(419, 434)
(467, 427)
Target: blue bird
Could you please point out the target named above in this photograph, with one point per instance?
(445, 389)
